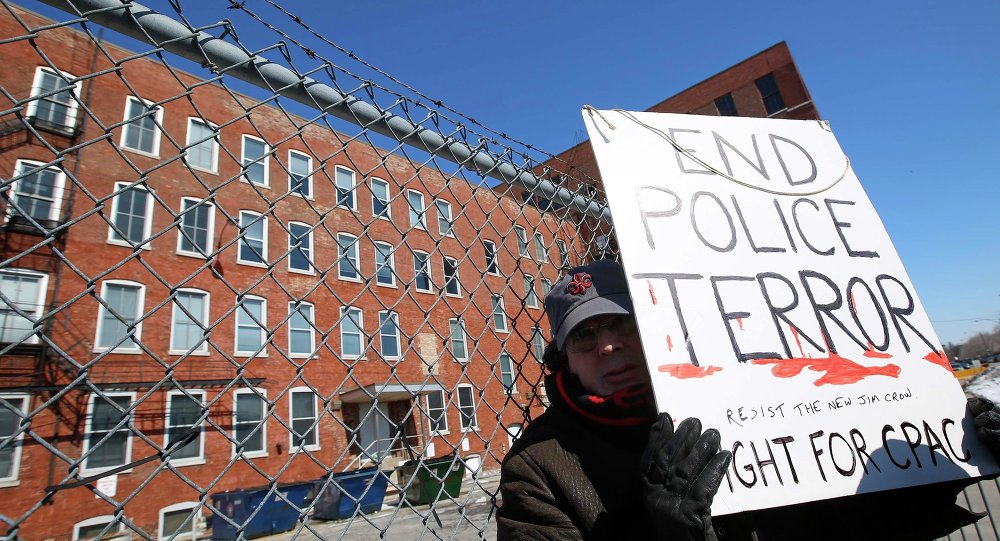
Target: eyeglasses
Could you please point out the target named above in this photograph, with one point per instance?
(584, 339)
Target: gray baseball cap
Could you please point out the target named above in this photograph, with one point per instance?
(584, 292)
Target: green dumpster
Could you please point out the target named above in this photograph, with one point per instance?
(424, 479)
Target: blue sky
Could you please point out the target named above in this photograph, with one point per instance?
(910, 88)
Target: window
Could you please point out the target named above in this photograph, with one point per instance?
(458, 340)
(24, 291)
(546, 287)
(499, 314)
(194, 232)
(385, 274)
(451, 283)
(142, 131)
(120, 311)
(10, 440)
(467, 408)
(183, 412)
(726, 105)
(179, 521)
(300, 242)
(347, 257)
(108, 441)
(56, 102)
(388, 333)
(421, 272)
(254, 160)
(437, 417)
(253, 239)
(769, 92)
(530, 297)
(445, 224)
(249, 426)
(202, 146)
(490, 250)
(190, 321)
(380, 198)
(301, 329)
(345, 187)
(299, 173)
(251, 325)
(522, 241)
(537, 343)
(351, 333)
(91, 528)
(303, 415)
(563, 253)
(507, 373)
(416, 203)
(541, 254)
(36, 192)
(131, 216)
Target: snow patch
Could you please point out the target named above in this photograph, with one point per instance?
(987, 384)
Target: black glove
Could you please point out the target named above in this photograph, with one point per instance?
(986, 417)
(681, 472)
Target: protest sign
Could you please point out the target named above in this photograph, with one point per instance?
(773, 307)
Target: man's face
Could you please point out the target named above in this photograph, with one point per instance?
(614, 358)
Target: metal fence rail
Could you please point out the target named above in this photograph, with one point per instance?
(245, 291)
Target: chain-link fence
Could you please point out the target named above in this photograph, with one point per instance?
(245, 290)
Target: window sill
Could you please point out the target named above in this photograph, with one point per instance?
(300, 196)
(252, 454)
(302, 272)
(155, 155)
(84, 472)
(356, 280)
(292, 448)
(182, 462)
(188, 353)
(392, 285)
(193, 255)
(125, 244)
(252, 264)
(202, 169)
(250, 354)
(10, 483)
(454, 295)
(428, 291)
(118, 350)
(245, 180)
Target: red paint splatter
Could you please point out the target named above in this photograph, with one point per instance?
(875, 354)
(854, 304)
(687, 371)
(838, 370)
(940, 359)
(795, 335)
(670, 343)
(740, 321)
(652, 294)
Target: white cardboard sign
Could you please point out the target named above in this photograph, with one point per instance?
(773, 307)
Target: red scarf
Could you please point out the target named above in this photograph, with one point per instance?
(631, 406)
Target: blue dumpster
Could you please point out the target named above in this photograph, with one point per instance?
(273, 514)
(347, 492)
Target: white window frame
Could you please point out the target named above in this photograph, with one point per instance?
(521, 235)
(427, 270)
(513, 372)
(58, 192)
(95, 521)
(474, 426)
(140, 312)
(39, 305)
(72, 109)
(188, 145)
(263, 160)
(292, 419)
(157, 122)
(88, 430)
(530, 295)
(182, 506)
(242, 239)
(388, 198)
(541, 253)
(146, 243)
(563, 253)
(454, 323)
(263, 327)
(210, 234)
(308, 182)
(418, 218)
(546, 286)
(383, 317)
(444, 413)
(200, 459)
(352, 193)
(446, 225)
(390, 262)
(537, 343)
(344, 253)
(16, 446)
(294, 307)
(499, 309)
(202, 349)
(344, 317)
(308, 248)
(264, 406)
(454, 279)
(492, 259)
